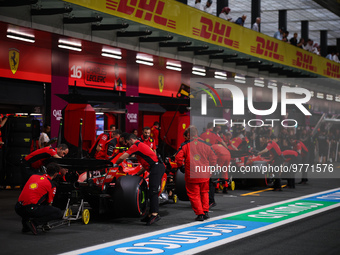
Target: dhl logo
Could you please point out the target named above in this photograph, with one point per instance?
(333, 70)
(305, 61)
(216, 32)
(149, 10)
(267, 48)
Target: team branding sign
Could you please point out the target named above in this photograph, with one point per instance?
(13, 56)
(175, 17)
(161, 82)
(197, 237)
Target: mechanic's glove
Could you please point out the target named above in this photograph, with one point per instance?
(115, 165)
(182, 169)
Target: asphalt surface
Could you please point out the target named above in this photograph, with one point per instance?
(314, 235)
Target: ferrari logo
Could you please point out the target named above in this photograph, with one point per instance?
(13, 55)
(161, 82)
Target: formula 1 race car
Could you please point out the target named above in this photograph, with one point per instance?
(107, 187)
(246, 169)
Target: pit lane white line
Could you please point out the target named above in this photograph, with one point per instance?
(218, 243)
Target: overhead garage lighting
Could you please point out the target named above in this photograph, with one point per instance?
(197, 70)
(272, 84)
(320, 95)
(144, 59)
(259, 82)
(112, 53)
(173, 66)
(337, 98)
(69, 45)
(220, 75)
(13, 34)
(240, 79)
(329, 97)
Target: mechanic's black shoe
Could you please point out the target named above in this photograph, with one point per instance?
(153, 219)
(225, 190)
(145, 219)
(30, 224)
(46, 228)
(200, 217)
(213, 204)
(206, 215)
(25, 229)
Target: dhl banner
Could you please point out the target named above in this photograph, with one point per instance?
(178, 18)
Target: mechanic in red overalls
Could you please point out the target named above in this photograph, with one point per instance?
(34, 203)
(291, 157)
(106, 149)
(145, 138)
(212, 137)
(195, 154)
(155, 133)
(223, 159)
(32, 163)
(2, 123)
(300, 148)
(149, 161)
(276, 158)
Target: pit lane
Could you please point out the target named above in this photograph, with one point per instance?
(298, 236)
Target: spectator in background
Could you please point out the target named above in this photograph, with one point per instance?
(241, 20)
(198, 5)
(256, 25)
(294, 40)
(225, 14)
(285, 36)
(308, 46)
(207, 8)
(135, 132)
(278, 34)
(336, 57)
(330, 55)
(44, 139)
(301, 43)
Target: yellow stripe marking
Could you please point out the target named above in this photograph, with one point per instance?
(259, 191)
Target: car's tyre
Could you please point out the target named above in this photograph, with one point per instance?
(180, 189)
(20, 140)
(130, 196)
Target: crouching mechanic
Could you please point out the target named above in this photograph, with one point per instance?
(34, 203)
(149, 161)
(196, 153)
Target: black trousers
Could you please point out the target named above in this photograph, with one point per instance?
(278, 161)
(155, 178)
(40, 214)
(212, 191)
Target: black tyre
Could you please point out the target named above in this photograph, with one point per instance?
(130, 196)
(180, 189)
(20, 124)
(13, 175)
(15, 154)
(20, 140)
